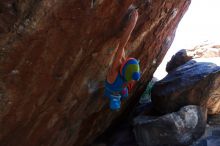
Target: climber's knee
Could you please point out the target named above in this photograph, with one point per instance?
(124, 93)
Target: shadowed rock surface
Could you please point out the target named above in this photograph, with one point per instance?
(175, 129)
(54, 56)
(211, 137)
(194, 83)
(121, 136)
(177, 60)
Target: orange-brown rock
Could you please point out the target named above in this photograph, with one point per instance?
(54, 56)
(205, 50)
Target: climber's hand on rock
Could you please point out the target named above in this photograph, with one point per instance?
(131, 22)
(133, 16)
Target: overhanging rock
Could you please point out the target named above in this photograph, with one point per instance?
(54, 56)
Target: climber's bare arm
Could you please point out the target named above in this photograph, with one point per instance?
(120, 53)
(112, 74)
(126, 34)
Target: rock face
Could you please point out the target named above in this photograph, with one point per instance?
(194, 83)
(211, 137)
(54, 56)
(121, 136)
(180, 128)
(200, 51)
(205, 50)
(178, 59)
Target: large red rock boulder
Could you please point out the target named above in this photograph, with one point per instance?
(54, 56)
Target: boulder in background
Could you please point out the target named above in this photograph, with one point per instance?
(194, 83)
(178, 128)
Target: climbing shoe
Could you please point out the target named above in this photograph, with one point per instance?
(115, 102)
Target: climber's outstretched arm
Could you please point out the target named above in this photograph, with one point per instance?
(126, 34)
(120, 53)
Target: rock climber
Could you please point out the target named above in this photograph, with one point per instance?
(123, 72)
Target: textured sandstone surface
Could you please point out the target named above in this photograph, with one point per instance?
(54, 56)
(205, 50)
